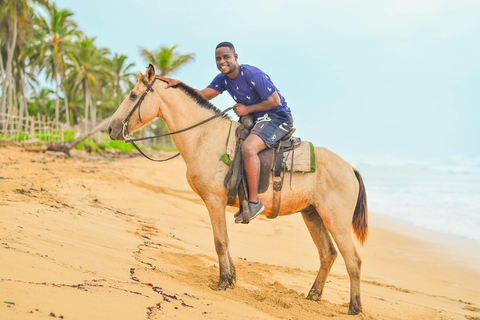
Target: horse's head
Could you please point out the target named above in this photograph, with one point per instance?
(139, 107)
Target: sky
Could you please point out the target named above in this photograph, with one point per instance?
(386, 79)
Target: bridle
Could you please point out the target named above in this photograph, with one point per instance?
(137, 105)
(129, 139)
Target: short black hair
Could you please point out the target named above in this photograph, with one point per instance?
(225, 44)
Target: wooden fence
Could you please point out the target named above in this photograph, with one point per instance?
(41, 130)
(31, 129)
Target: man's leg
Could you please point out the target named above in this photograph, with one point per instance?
(250, 149)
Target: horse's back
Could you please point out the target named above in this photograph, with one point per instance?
(337, 184)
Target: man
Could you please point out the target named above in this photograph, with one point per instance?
(255, 94)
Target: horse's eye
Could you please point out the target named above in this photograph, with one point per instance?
(133, 96)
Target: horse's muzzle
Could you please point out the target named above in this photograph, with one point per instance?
(115, 130)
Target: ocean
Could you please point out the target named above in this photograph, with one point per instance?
(442, 195)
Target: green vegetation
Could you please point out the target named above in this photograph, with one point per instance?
(68, 135)
(82, 83)
(118, 145)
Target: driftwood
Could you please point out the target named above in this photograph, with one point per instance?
(65, 148)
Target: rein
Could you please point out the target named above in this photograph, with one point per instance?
(129, 139)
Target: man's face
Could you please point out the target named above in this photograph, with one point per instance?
(226, 60)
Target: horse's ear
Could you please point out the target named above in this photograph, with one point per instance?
(150, 73)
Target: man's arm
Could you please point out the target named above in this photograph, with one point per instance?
(271, 102)
(207, 93)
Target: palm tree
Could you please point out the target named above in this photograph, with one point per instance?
(53, 40)
(41, 103)
(121, 76)
(15, 23)
(89, 69)
(24, 77)
(166, 60)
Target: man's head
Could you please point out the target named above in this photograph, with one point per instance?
(226, 59)
(226, 44)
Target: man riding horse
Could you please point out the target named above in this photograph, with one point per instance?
(332, 198)
(255, 94)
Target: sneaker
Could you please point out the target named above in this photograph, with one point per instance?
(255, 210)
(238, 213)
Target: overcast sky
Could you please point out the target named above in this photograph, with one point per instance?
(362, 78)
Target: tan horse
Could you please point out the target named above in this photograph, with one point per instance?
(331, 200)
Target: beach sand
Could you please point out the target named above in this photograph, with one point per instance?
(88, 237)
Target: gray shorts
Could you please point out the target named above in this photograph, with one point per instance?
(272, 127)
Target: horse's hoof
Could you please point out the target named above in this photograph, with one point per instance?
(312, 295)
(221, 287)
(354, 311)
(224, 285)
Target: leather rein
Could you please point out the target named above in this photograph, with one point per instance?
(129, 139)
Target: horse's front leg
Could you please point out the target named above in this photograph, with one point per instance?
(216, 209)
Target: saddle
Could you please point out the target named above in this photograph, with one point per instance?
(271, 167)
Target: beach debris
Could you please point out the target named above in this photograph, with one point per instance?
(34, 148)
(72, 144)
(152, 309)
(8, 303)
(22, 191)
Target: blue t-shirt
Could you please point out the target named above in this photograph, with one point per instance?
(251, 86)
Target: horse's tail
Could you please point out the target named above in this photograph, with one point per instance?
(359, 221)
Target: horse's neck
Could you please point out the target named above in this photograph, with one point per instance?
(180, 112)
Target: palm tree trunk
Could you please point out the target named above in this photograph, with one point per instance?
(119, 94)
(67, 111)
(4, 84)
(14, 107)
(87, 99)
(22, 98)
(57, 102)
(6, 88)
(21, 102)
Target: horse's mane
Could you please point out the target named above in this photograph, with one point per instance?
(192, 93)
(195, 95)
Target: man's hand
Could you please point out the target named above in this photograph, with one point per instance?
(240, 109)
(171, 82)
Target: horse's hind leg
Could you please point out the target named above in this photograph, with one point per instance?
(341, 233)
(325, 247)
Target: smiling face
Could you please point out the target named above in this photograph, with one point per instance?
(227, 63)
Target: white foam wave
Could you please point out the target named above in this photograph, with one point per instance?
(443, 197)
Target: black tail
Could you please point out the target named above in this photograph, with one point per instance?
(360, 216)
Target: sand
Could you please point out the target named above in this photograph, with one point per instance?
(92, 237)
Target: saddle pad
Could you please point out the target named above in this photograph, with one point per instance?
(303, 158)
(303, 155)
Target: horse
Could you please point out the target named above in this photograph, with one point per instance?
(332, 200)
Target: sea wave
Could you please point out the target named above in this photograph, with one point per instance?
(455, 163)
(440, 195)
